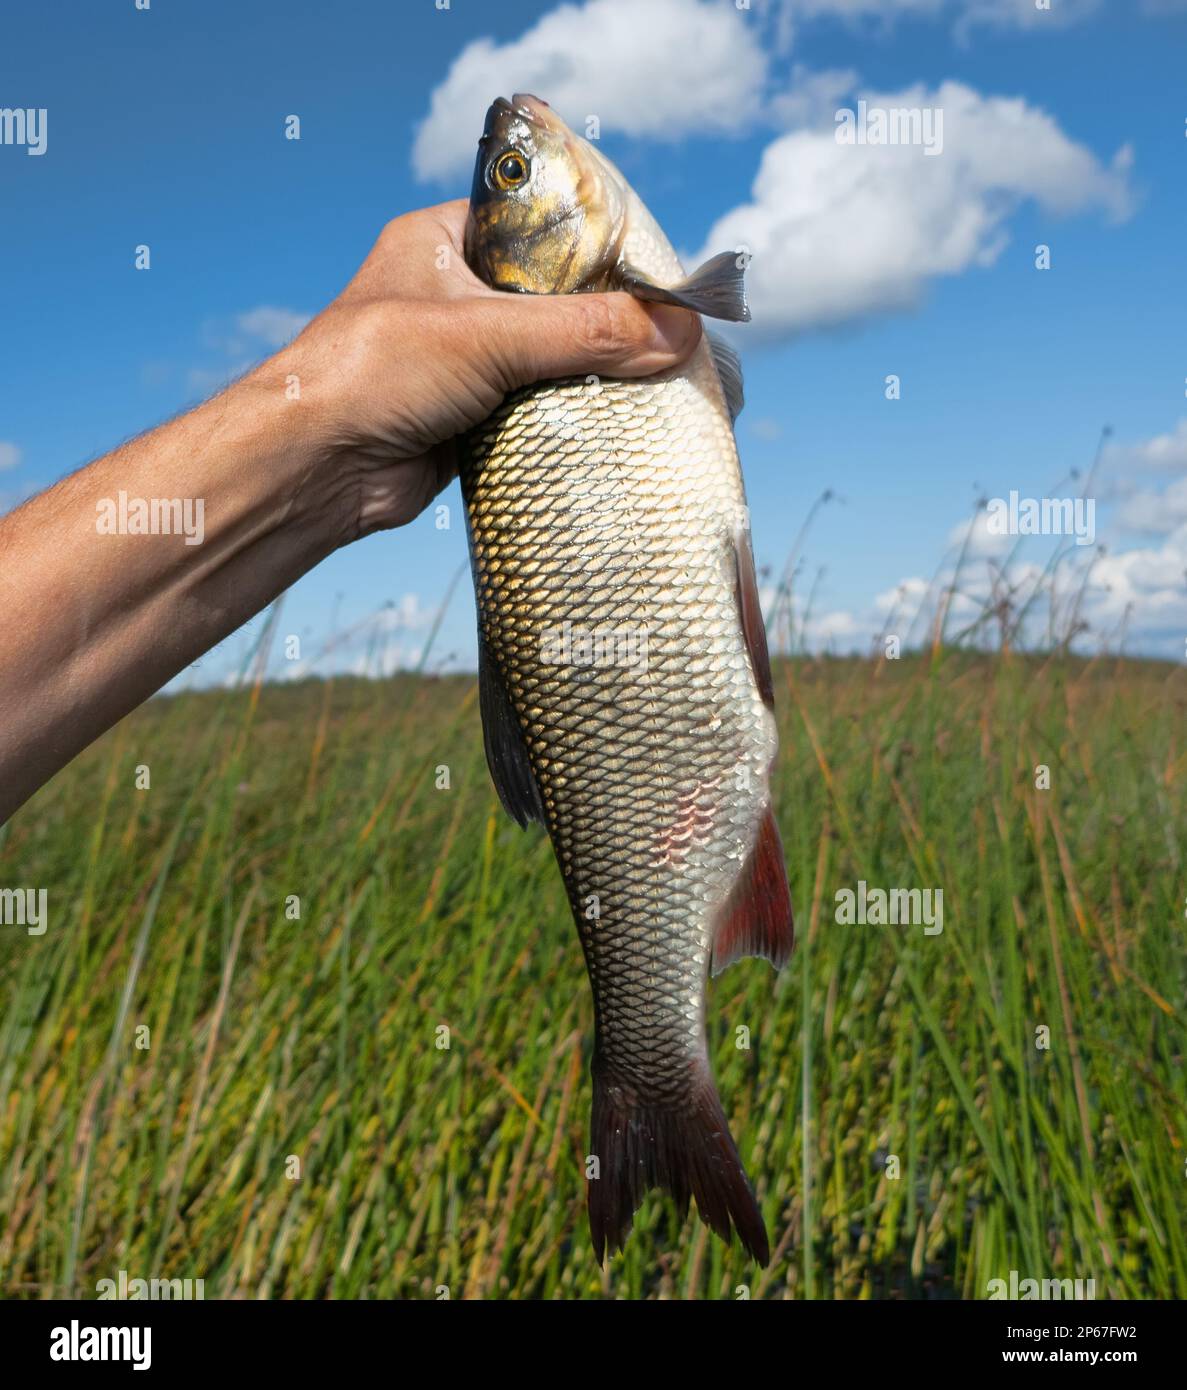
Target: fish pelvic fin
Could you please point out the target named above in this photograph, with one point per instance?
(729, 373)
(682, 1145)
(506, 752)
(757, 918)
(754, 630)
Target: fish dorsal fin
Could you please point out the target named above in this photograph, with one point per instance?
(716, 289)
(750, 611)
(757, 919)
(506, 751)
(729, 369)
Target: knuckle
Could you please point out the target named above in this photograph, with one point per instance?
(393, 229)
(397, 233)
(372, 321)
(604, 329)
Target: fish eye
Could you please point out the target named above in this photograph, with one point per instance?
(510, 170)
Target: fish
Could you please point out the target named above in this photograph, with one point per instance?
(625, 682)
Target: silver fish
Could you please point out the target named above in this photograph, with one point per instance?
(625, 682)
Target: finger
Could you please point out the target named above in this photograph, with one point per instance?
(453, 215)
(417, 254)
(537, 337)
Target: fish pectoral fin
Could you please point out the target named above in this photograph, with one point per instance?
(506, 751)
(757, 920)
(716, 289)
(729, 371)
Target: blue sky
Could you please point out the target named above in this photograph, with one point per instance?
(1064, 127)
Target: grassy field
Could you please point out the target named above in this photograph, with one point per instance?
(273, 1041)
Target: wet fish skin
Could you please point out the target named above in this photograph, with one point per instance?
(615, 510)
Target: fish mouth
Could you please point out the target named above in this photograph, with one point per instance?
(532, 111)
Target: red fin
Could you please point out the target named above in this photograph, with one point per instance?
(753, 627)
(681, 1144)
(757, 919)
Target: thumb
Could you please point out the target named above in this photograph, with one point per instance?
(538, 337)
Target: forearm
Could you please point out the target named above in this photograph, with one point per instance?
(415, 352)
(91, 624)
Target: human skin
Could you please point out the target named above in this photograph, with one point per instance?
(413, 352)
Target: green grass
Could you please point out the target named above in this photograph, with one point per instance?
(425, 908)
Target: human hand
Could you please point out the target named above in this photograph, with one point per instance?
(416, 350)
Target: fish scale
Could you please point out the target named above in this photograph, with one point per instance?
(612, 512)
(628, 529)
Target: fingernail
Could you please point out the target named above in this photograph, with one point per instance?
(674, 329)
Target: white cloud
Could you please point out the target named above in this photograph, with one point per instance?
(408, 615)
(384, 662)
(838, 231)
(1002, 14)
(1132, 468)
(10, 455)
(661, 69)
(1139, 593)
(241, 341)
(1023, 14)
(982, 543)
(1164, 453)
(271, 325)
(1146, 589)
(1155, 513)
(906, 594)
(811, 98)
(834, 626)
(1145, 505)
(862, 9)
(1149, 571)
(841, 231)
(366, 647)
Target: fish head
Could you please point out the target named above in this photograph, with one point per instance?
(547, 212)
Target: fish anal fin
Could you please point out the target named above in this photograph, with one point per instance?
(506, 751)
(682, 1145)
(757, 918)
(753, 627)
(716, 289)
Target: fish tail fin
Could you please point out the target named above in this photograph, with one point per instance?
(681, 1145)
